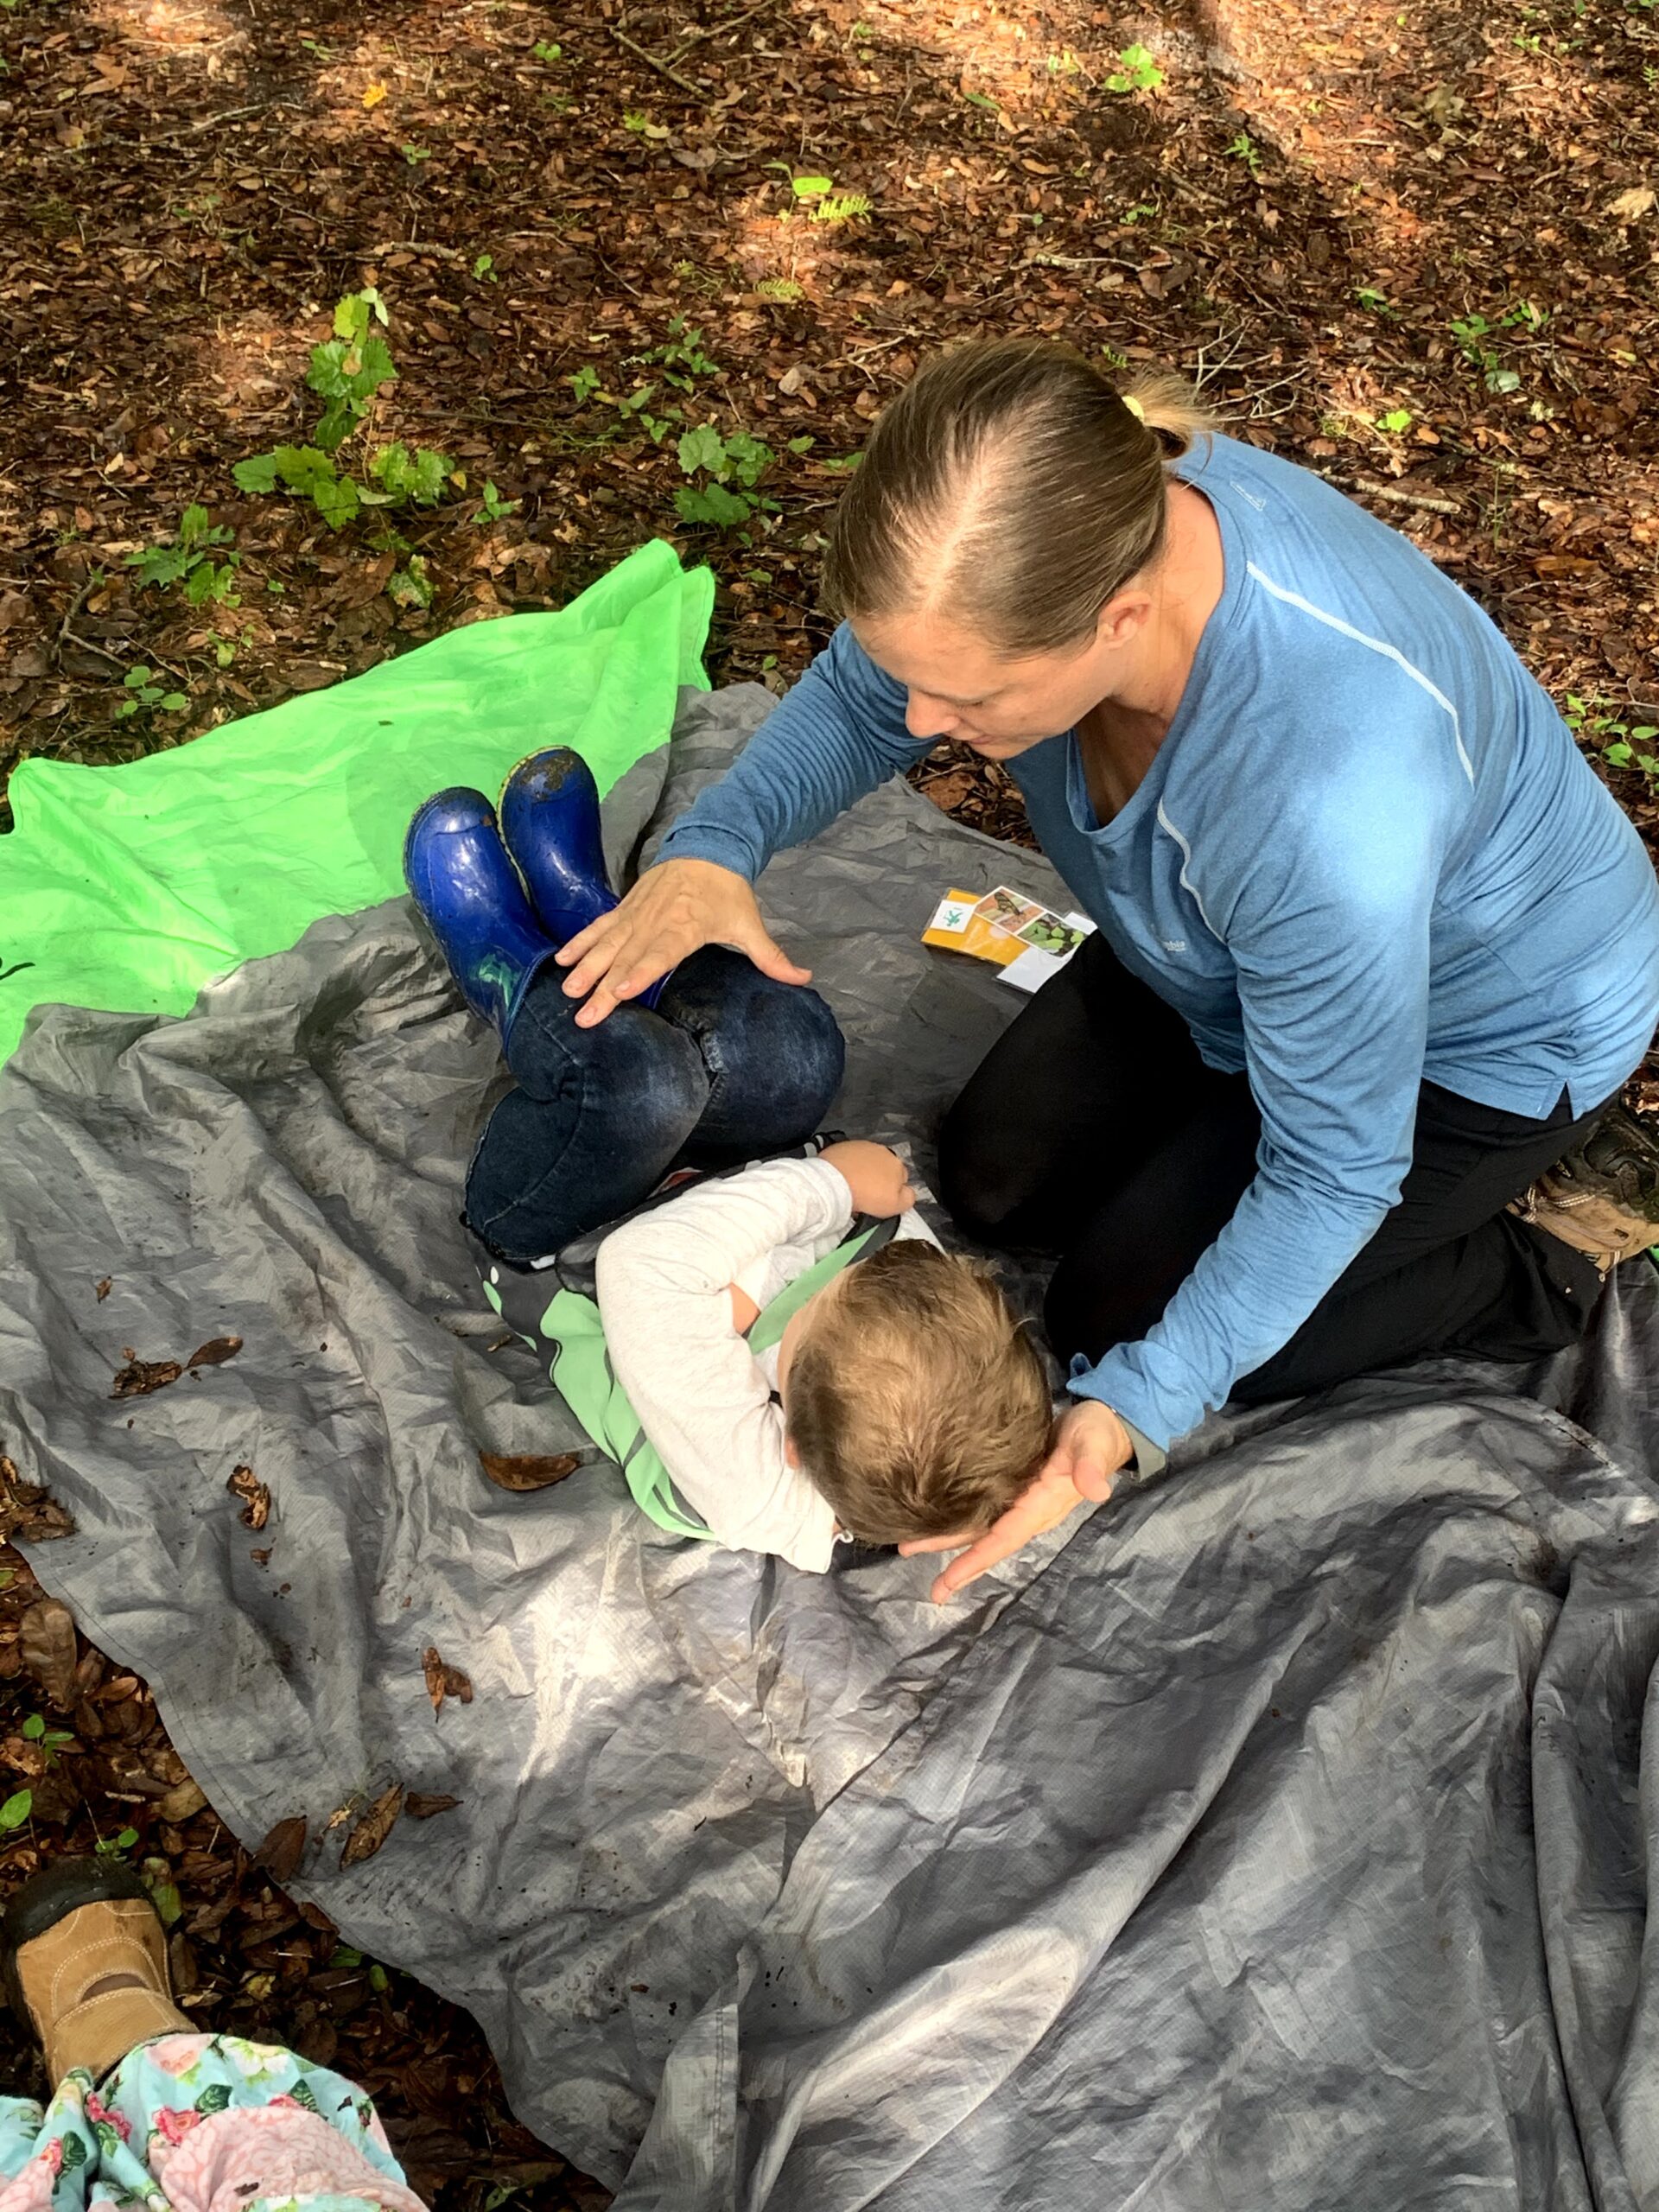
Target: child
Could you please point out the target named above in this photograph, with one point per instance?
(916, 1407)
(900, 1399)
(717, 1065)
(147, 2111)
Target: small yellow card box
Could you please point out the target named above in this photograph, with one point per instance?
(1005, 929)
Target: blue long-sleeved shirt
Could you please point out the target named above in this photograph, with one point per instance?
(1366, 854)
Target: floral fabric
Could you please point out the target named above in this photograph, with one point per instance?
(201, 2124)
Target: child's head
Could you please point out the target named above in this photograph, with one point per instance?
(912, 1397)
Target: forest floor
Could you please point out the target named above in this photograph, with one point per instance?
(651, 273)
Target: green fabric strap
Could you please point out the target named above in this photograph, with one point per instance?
(583, 1377)
(771, 1324)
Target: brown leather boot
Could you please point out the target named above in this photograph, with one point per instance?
(1603, 1197)
(84, 1962)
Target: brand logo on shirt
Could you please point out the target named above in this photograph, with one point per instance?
(1173, 944)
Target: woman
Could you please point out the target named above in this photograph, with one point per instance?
(1375, 948)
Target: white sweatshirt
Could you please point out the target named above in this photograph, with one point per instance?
(704, 1400)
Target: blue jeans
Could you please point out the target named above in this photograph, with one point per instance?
(728, 1065)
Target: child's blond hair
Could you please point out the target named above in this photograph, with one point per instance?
(917, 1403)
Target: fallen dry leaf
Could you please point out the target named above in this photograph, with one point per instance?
(140, 1377)
(421, 1806)
(27, 1511)
(256, 1497)
(182, 1801)
(215, 1352)
(530, 1472)
(1442, 105)
(1631, 207)
(442, 1681)
(102, 1290)
(47, 1641)
(375, 1825)
(373, 95)
(282, 1850)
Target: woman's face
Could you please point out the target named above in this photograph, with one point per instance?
(960, 689)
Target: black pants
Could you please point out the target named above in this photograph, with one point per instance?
(1094, 1130)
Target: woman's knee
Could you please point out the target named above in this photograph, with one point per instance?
(982, 1185)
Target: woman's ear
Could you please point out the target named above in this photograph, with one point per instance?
(1123, 618)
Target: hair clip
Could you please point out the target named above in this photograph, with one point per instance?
(1134, 406)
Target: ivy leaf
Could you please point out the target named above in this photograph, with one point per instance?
(702, 448)
(335, 424)
(713, 504)
(337, 500)
(748, 457)
(159, 564)
(375, 367)
(257, 475)
(303, 467)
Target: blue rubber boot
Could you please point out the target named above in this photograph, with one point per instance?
(549, 824)
(463, 880)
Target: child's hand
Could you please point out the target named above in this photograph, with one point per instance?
(876, 1177)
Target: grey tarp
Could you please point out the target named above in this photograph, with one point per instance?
(1206, 1875)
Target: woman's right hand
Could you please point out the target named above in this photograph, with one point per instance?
(672, 911)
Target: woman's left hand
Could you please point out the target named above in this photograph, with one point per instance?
(1090, 1444)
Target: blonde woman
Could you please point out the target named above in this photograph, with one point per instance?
(1330, 1088)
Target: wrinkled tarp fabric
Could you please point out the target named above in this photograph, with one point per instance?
(1279, 1839)
(129, 887)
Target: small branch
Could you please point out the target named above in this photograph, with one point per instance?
(662, 68)
(1403, 496)
(207, 123)
(1073, 261)
(74, 607)
(719, 30)
(67, 636)
(410, 246)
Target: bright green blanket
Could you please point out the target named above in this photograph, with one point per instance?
(127, 888)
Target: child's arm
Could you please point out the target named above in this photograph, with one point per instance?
(665, 1296)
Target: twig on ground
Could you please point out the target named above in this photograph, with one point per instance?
(652, 62)
(75, 605)
(207, 123)
(67, 636)
(719, 30)
(1403, 496)
(412, 245)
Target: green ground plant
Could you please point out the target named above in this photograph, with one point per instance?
(51, 1740)
(724, 470)
(189, 561)
(348, 373)
(1622, 744)
(1474, 335)
(145, 696)
(1136, 71)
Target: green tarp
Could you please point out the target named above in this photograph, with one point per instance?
(127, 888)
